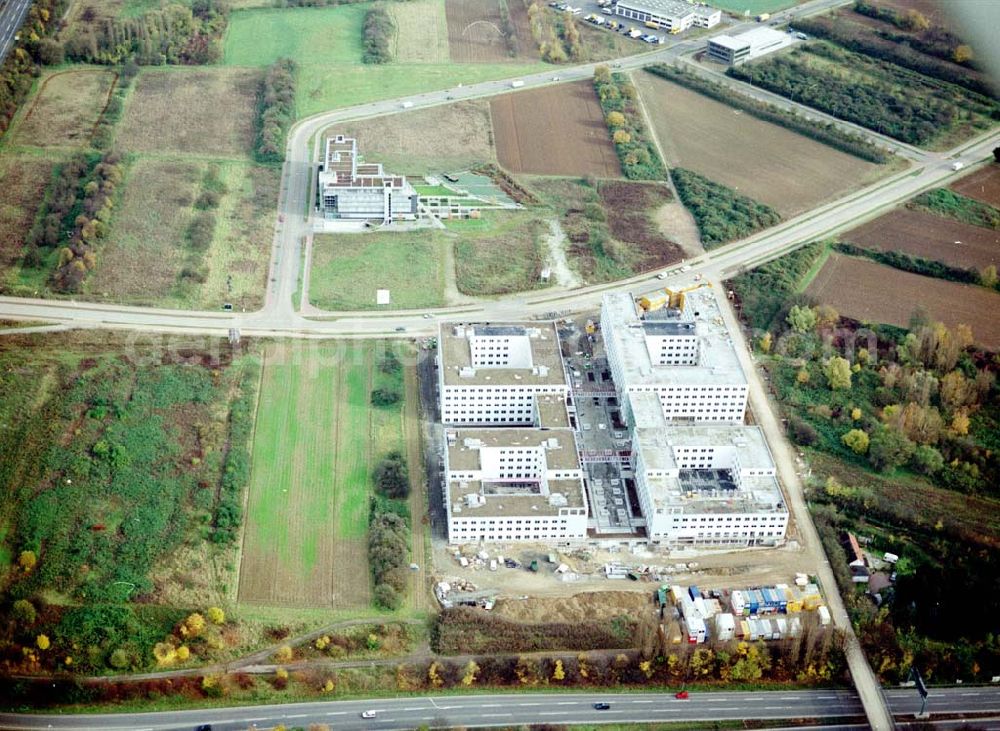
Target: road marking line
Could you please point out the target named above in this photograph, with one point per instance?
(643, 701)
(297, 715)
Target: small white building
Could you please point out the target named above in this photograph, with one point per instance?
(754, 43)
(501, 375)
(725, 627)
(354, 190)
(673, 16)
(512, 484)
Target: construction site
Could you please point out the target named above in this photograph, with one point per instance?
(589, 459)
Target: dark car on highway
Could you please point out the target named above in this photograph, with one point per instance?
(602, 706)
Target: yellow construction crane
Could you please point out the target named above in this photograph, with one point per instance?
(673, 298)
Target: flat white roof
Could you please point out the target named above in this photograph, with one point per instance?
(546, 355)
(676, 8)
(718, 363)
(657, 440)
(730, 43)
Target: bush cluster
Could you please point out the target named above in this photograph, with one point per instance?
(77, 223)
(948, 203)
(173, 34)
(35, 48)
(829, 133)
(379, 30)
(276, 109)
(763, 290)
(392, 476)
(721, 213)
(633, 143)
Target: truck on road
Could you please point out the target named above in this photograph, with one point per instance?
(763, 16)
(516, 84)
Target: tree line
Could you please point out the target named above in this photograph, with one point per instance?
(389, 530)
(275, 110)
(557, 36)
(828, 133)
(633, 143)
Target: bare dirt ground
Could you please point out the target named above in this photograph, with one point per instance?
(208, 111)
(983, 185)
(772, 165)
(675, 222)
(475, 31)
(557, 244)
(451, 137)
(870, 292)
(66, 108)
(554, 131)
(929, 236)
(707, 569)
(630, 208)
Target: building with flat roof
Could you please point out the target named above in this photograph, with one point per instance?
(674, 16)
(751, 44)
(514, 484)
(676, 346)
(705, 484)
(507, 374)
(356, 190)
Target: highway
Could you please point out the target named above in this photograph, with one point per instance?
(12, 14)
(524, 708)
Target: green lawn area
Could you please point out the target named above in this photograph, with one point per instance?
(329, 86)
(316, 442)
(307, 35)
(348, 268)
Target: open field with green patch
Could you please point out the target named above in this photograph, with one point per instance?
(22, 179)
(64, 110)
(316, 441)
(753, 7)
(306, 35)
(148, 256)
(870, 292)
(347, 269)
(206, 111)
(447, 138)
(507, 258)
(982, 185)
(111, 467)
(421, 31)
(323, 87)
(781, 168)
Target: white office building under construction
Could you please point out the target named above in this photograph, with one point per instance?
(350, 189)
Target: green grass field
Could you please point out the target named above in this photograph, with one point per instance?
(307, 35)
(348, 268)
(316, 441)
(330, 86)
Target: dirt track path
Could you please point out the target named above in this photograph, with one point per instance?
(419, 580)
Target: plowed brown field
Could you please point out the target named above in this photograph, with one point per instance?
(474, 31)
(983, 185)
(931, 237)
(771, 164)
(553, 131)
(870, 292)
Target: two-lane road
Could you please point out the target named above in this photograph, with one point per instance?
(527, 708)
